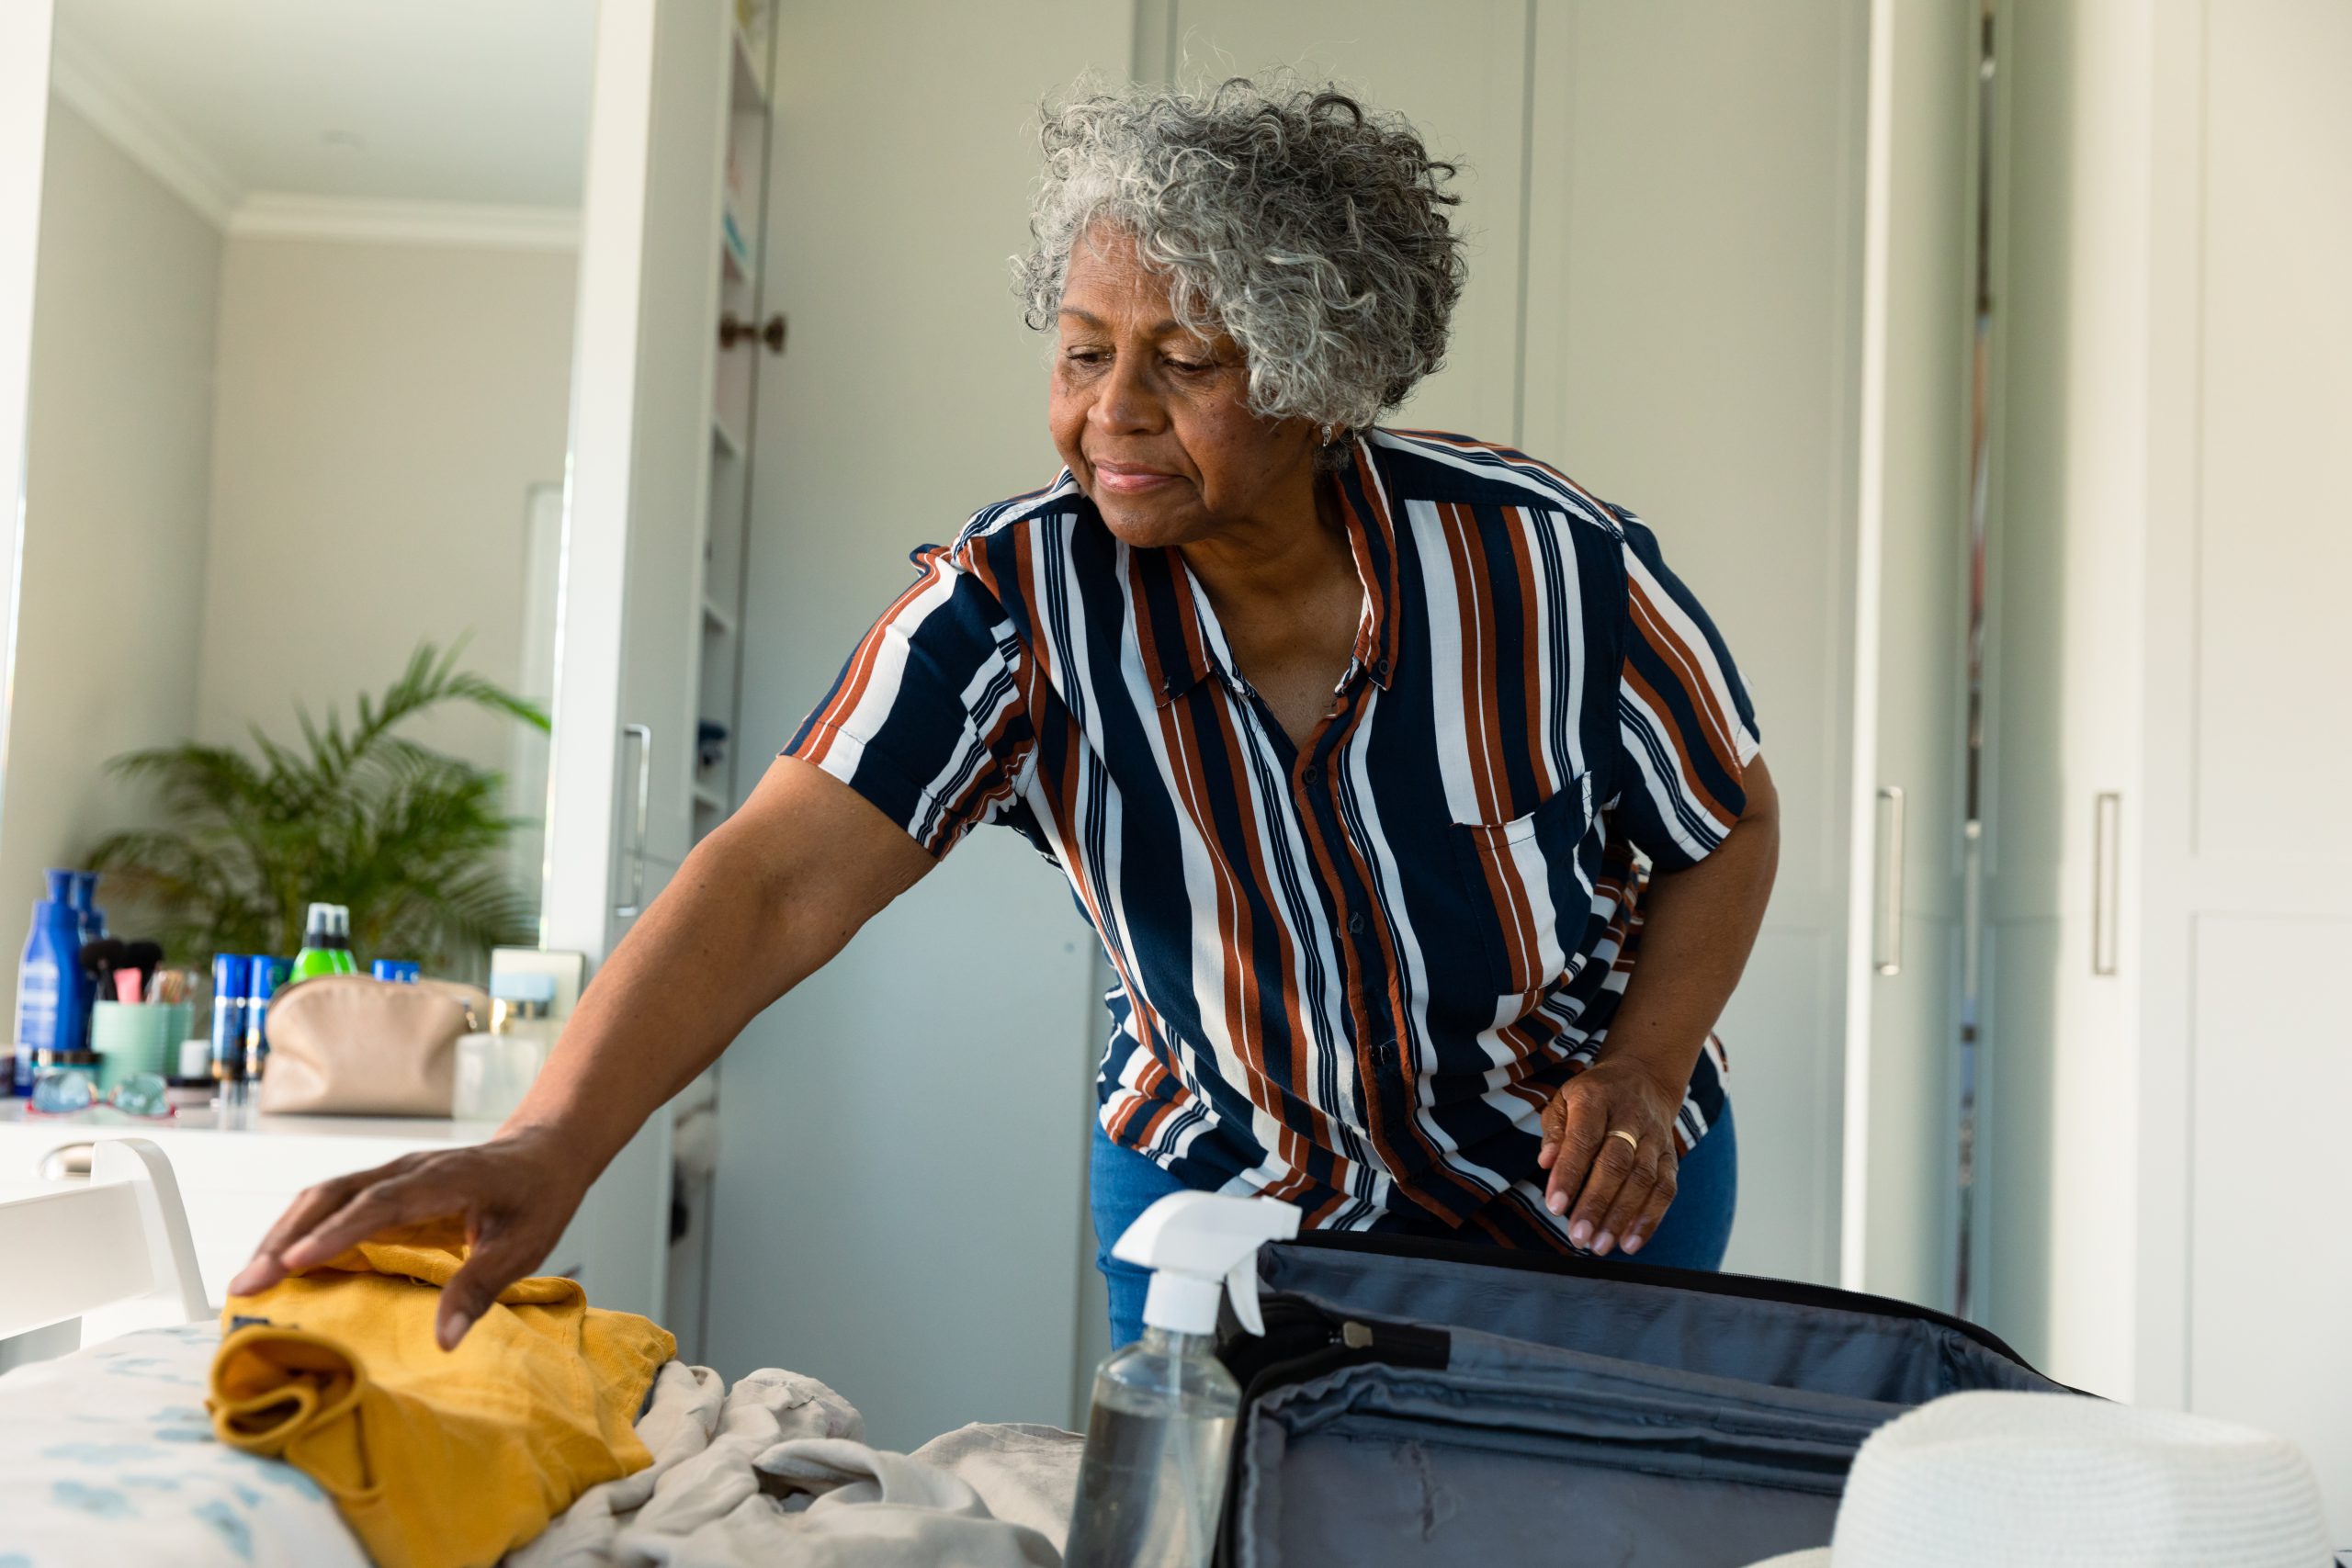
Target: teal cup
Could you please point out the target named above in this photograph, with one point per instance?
(137, 1037)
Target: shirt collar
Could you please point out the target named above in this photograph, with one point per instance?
(1180, 641)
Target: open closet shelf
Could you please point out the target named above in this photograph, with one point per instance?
(750, 91)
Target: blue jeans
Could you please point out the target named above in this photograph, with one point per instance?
(1123, 1184)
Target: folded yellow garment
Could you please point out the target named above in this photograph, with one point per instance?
(436, 1459)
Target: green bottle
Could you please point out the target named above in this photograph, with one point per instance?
(326, 945)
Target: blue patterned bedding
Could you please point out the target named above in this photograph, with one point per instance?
(107, 1459)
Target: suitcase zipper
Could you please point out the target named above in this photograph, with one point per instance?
(1737, 1286)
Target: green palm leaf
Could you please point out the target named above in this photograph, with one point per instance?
(410, 837)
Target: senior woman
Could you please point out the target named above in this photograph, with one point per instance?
(1413, 799)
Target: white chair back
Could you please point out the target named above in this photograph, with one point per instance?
(115, 1247)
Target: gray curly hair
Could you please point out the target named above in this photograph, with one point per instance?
(1309, 227)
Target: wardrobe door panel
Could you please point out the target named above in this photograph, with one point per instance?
(2272, 1272)
(1694, 187)
(2276, 342)
(1903, 963)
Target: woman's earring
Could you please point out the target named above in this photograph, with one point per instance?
(1327, 435)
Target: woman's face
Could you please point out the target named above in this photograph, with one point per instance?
(1152, 419)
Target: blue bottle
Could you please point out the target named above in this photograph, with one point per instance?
(84, 901)
(232, 976)
(53, 996)
(264, 976)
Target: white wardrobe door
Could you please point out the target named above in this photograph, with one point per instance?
(1903, 955)
(670, 466)
(2270, 893)
(625, 693)
(2067, 681)
(1694, 230)
(640, 438)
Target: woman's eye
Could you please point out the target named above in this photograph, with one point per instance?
(1191, 366)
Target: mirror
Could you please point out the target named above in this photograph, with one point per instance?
(297, 445)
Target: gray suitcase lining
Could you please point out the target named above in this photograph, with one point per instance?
(1606, 1417)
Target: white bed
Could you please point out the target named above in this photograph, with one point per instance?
(107, 1456)
(108, 1459)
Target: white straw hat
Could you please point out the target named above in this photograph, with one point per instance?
(2055, 1479)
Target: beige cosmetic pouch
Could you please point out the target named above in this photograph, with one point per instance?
(349, 1045)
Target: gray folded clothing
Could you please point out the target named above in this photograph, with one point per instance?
(773, 1470)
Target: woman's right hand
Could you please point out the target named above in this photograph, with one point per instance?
(516, 1193)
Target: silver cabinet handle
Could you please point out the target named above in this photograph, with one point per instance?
(2107, 880)
(643, 735)
(1886, 930)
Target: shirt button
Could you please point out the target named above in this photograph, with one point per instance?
(1355, 924)
(1381, 669)
(1311, 774)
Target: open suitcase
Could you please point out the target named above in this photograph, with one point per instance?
(1427, 1402)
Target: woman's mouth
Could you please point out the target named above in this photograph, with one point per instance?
(1127, 478)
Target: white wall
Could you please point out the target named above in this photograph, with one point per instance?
(382, 412)
(258, 470)
(118, 450)
(24, 125)
(904, 1136)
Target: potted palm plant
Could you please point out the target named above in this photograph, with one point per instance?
(408, 836)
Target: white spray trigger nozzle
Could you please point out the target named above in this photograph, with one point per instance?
(1241, 1288)
(1198, 1245)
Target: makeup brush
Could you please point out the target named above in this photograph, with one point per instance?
(100, 958)
(144, 956)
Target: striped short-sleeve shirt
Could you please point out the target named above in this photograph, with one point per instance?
(1349, 975)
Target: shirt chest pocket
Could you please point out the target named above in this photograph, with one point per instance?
(1528, 883)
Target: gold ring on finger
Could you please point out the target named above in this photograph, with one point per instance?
(1631, 1142)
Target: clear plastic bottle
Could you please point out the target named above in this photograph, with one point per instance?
(1151, 1486)
(497, 1066)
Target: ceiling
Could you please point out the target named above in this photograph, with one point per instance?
(444, 101)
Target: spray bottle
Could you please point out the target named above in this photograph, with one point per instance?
(326, 944)
(1151, 1485)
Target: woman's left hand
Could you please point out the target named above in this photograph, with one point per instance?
(1620, 1190)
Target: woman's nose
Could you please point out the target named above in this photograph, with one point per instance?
(1128, 401)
